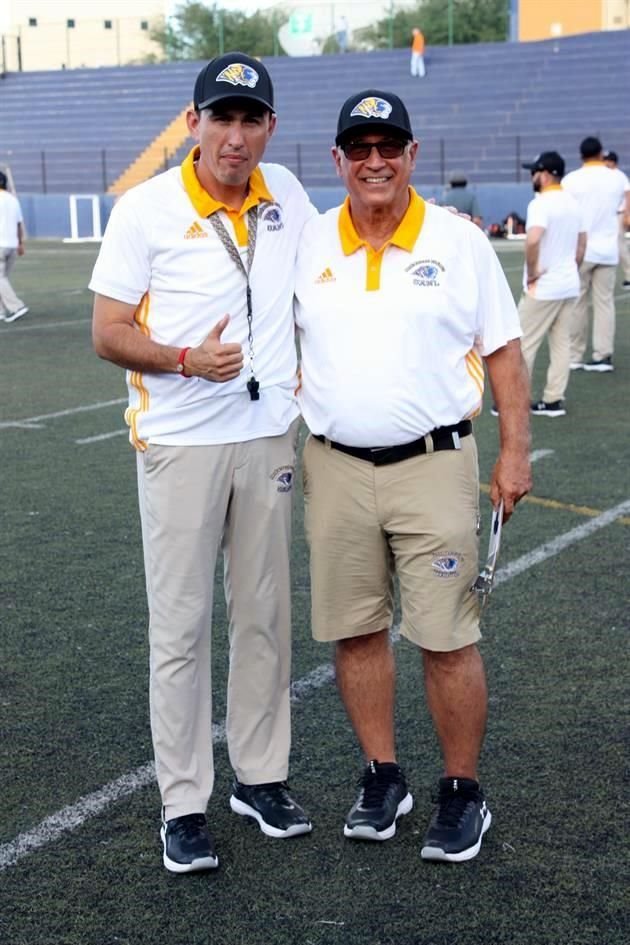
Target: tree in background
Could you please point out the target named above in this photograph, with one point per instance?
(196, 31)
(473, 21)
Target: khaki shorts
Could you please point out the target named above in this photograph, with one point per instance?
(417, 519)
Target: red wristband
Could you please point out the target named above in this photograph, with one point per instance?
(181, 368)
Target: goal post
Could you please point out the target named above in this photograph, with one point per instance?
(75, 229)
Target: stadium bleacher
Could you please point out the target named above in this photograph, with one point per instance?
(483, 108)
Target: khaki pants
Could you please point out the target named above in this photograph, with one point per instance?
(194, 501)
(551, 317)
(624, 250)
(601, 280)
(9, 301)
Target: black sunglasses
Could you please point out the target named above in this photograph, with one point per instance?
(361, 150)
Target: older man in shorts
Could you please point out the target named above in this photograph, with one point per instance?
(399, 303)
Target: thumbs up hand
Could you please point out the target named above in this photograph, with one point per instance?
(214, 360)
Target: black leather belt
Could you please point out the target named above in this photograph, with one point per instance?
(444, 438)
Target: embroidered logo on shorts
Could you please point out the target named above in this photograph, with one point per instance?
(426, 272)
(272, 216)
(283, 476)
(445, 566)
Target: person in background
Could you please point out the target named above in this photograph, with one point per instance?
(194, 291)
(398, 305)
(457, 195)
(417, 53)
(554, 249)
(611, 160)
(342, 34)
(599, 192)
(11, 246)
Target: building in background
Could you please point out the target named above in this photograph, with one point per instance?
(69, 34)
(547, 19)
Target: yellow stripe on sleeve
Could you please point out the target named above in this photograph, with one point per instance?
(136, 378)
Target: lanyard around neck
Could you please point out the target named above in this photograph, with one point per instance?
(219, 227)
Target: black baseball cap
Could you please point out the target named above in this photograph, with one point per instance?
(233, 75)
(611, 156)
(549, 161)
(373, 111)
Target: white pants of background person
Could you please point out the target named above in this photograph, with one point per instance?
(417, 64)
(552, 317)
(600, 280)
(195, 501)
(9, 301)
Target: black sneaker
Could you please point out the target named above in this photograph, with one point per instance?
(382, 799)
(626, 284)
(277, 813)
(494, 410)
(458, 823)
(553, 409)
(188, 845)
(605, 364)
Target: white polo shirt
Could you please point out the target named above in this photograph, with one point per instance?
(10, 216)
(599, 190)
(161, 253)
(392, 341)
(558, 213)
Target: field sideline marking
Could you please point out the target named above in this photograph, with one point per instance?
(101, 436)
(73, 816)
(560, 506)
(28, 421)
(33, 327)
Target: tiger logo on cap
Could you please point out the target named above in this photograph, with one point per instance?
(239, 74)
(372, 107)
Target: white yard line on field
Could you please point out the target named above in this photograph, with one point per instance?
(36, 326)
(83, 408)
(73, 816)
(540, 454)
(103, 436)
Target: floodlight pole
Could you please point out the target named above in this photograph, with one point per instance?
(450, 22)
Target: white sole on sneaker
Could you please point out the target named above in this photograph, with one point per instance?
(240, 807)
(203, 863)
(363, 832)
(548, 413)
(13, 317)
(436, 853)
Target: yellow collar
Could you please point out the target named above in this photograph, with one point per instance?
(593, 163)
(544, 190)
(405, 236)
(205, 204)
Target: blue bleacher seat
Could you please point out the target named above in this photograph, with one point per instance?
(483, 108)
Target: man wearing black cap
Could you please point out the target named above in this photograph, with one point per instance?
(611, 160)
(398, 302)
(554, 249)
(599, 192)
(194, 287)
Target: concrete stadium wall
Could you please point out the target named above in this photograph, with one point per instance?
(47, 216)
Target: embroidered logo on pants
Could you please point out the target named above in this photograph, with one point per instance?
(446, 565)
(283, 476)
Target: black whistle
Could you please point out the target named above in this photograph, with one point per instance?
(253, 387)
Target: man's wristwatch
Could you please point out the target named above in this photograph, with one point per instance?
(181, 367)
